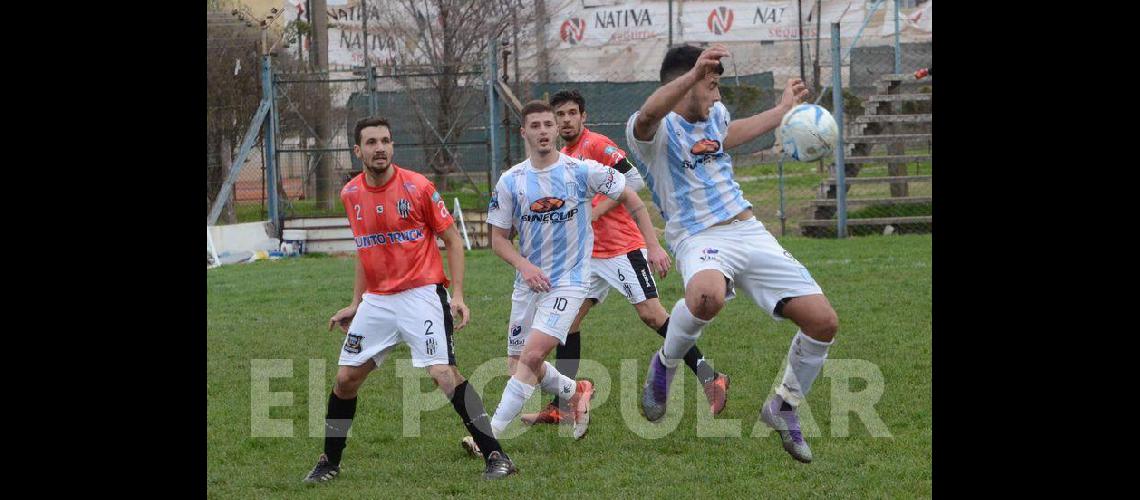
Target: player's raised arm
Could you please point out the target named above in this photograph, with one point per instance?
(745, 129)
(453, 243)
(666, 97)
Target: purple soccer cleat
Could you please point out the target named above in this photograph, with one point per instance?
(655, 393)
(788, 425)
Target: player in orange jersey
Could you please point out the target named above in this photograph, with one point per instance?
(400, 295)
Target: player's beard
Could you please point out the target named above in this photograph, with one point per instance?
(572, 137)
(380, 170)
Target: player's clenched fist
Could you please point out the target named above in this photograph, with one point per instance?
(795, 92)
(709, 59)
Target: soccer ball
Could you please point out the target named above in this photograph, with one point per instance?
(808, 133)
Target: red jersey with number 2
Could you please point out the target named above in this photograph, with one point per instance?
(394, 226)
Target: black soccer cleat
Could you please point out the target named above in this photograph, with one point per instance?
(499, 465)
(323, 472)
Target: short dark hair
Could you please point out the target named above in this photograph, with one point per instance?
(564, 95)
(679, 60)
(370, 121)
(536, 106)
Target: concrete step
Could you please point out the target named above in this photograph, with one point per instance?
(883, 180)
(889, 139)
(926, 118)
(308, 222)
(330, 233)
(330, 246)
(887, 159)
(897, 77)
(862, 202)
(899, 97)
(869, 222)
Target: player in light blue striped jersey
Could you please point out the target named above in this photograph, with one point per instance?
(547, 198)
(680, 137)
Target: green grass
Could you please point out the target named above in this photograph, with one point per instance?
(880, 286)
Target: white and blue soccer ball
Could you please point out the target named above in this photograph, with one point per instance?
(807, 133)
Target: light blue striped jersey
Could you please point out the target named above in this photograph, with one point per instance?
(550, 208)
(689, 172)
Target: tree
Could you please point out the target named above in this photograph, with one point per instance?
(444, 38)
(233, 91)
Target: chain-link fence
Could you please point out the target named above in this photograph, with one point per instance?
(232, 97)
(441, 125)
(438, 123)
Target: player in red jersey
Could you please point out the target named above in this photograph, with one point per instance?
(400, 295)
(618, 259)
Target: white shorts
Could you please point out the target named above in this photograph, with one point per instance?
(629, 273)
(419, 317)
(550, 312)
(752, 260)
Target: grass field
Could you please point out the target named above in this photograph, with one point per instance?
(277, 310)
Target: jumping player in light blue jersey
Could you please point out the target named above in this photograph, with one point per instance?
(680, 137)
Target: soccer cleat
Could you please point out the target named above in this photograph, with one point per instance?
(716, 390)
(788, 425)
(655, 393)
(324, 471)
(548, 415)
(580, 407)
(468, 444)
(499, 465)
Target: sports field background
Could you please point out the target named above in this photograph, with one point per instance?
(879, 285)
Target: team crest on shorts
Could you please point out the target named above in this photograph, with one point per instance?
(429, 346)
(708, 254)
(352, 344)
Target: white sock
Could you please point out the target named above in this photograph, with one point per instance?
(556, 383)
(684, 330)
(805, 358)
(515, 395)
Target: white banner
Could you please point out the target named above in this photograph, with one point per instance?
(346, 36)
(762, 21)
(396, 30)
(574, 26)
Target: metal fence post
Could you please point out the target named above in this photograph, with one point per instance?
(270, 146)
(492, 105)
(837, 105)
(898, 54)
(783, 216)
